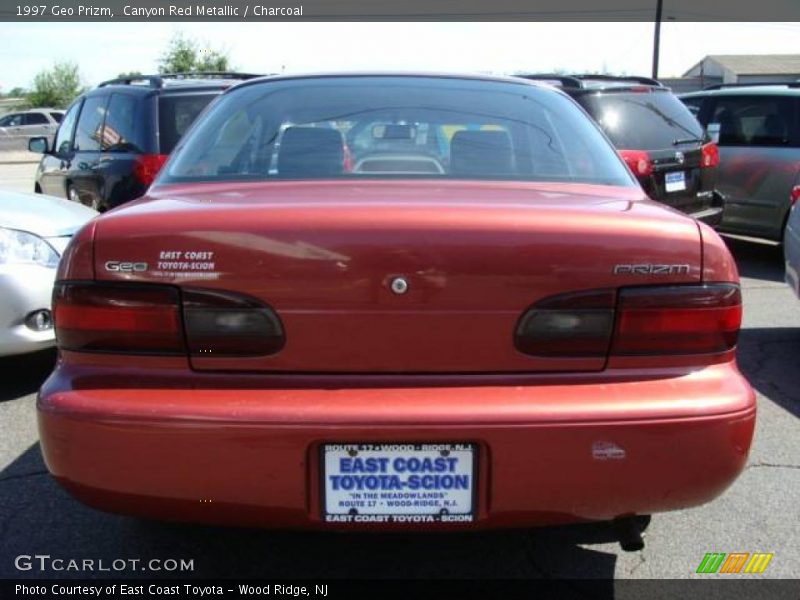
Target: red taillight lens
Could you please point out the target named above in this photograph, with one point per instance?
(794, 195)
(146, 319)
(677, 320)
(709, 156)
(638, 161)
(576, 325)
(225, 324)
(668, 320)
(95, 317)
(147, 167)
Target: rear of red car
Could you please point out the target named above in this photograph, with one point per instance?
(273, 337)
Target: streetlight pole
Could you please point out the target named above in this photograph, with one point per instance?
(657, 38)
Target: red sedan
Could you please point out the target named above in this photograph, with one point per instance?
(395, 301)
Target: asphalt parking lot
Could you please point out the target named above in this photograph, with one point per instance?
(759, 513)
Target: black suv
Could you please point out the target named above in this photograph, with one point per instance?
(113, 139)
(657, 136)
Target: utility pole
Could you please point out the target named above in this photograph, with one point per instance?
(657, 37)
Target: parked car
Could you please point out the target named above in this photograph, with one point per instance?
(521, 337)
(114, 139)
(791, 250)
(659, 138)
(758, 131)
(34, 230)
(17, 127)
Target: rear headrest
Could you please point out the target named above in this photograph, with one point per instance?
(310, 151)
(479, 153)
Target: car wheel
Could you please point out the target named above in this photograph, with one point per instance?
(73, 195)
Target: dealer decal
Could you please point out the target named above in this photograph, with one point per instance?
(390, 483)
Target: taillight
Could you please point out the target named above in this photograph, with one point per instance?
(638, 161)
(709, 155)
(155, 319)
(577, 325)
(147, 167)
(653, 320)
(794, 195)
(677, 320)
(94, 317)
(226, 324)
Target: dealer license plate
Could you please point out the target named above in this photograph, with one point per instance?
(675, 182)
(398, 483)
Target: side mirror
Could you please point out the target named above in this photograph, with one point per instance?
(38, 145)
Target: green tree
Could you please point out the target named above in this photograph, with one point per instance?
(127, 74)
(184, 55)
(56, 87)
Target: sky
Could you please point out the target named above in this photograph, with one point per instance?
(103, 50)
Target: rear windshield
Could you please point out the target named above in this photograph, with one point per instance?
(643, 120)
(395, 127)
(175, 114)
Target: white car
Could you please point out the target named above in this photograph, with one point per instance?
(30, 123)
(34, 231)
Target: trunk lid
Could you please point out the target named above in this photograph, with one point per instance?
(323, 255)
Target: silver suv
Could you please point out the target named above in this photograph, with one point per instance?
(17, 127)
(757, 128)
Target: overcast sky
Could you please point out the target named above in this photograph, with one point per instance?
(105, 49)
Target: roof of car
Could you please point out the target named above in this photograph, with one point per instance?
(424, 74)
(748, 90)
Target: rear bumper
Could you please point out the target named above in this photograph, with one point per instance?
(250, 456)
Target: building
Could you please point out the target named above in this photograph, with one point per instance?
(746, 68)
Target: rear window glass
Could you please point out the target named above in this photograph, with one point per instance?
(643, 120)
(753, 121)
(389, 127)
(175, 114)
(121, 133)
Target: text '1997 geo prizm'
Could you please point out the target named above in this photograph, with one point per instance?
(392, 302)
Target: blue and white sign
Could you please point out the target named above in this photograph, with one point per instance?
(398, 483)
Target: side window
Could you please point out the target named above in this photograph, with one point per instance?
(64, 135)
(753, 120)
(120, 133)
(11, 121)
(57, 116)
(35, 119)
(89, 133)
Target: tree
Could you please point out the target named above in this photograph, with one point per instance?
(184, 55)
(56, 87)
(129, 74)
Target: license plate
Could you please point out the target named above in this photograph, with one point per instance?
(675, 182)
(398, 483)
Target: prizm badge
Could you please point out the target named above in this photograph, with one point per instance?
(126, 267)
(651, 269)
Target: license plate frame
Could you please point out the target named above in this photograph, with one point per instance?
(461, 505)
(675, 181)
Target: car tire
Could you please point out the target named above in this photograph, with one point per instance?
(74, 196)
